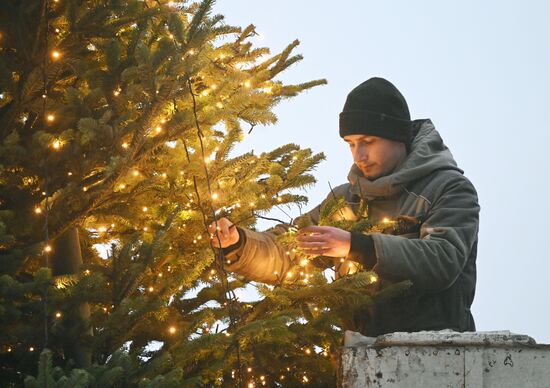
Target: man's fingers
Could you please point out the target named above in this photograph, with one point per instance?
(310, 238)
(313, 229)
(312, 245)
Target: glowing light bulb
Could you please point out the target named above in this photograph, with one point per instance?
(304, 262)
(385, 220)
(124, 145)
(279, 199)
(135, 172)
(219, 105)
(56, 55)
(48, 248)
(308, 351)
(102, 229)
(373, 278)
(247, 84)
(172, 330)
(31, 349)
(158, 129)
(249, 369)
(116, 93)
(151, 289)
(214, 195)
(58, 315)
(37, 210)
(145, 208)
(56, 144)
(50, 118)
(122, 186)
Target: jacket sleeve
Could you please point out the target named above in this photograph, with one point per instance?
(261, 258)
(434, 260)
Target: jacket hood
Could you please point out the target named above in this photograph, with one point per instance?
(428, 154)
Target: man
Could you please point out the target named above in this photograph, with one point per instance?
(402, 168)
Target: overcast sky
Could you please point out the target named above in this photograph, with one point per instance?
(481, 71)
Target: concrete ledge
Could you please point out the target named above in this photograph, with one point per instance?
(444, 359)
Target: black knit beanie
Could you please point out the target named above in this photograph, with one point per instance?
(377, 108)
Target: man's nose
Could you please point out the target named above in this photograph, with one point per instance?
(360, 154)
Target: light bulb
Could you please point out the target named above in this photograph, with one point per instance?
(56, 55)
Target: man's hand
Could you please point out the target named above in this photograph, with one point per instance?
(324, 240)
(225, 235)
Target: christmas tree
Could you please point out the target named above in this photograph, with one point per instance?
(118, 122)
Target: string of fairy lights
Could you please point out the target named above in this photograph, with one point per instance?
(48, 118)
(298, 273)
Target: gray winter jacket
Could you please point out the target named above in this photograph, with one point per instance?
(440, 258)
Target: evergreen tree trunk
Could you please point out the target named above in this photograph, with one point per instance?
(67, 260)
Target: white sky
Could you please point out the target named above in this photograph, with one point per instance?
(480, 70)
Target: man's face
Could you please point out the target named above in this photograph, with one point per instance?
(375, 156)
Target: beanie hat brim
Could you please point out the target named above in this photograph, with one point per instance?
(366, 122)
